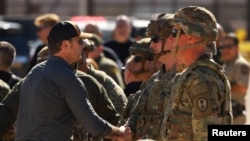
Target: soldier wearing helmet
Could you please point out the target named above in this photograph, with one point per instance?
(149, 110)
(138, 69)
(159, 30)
(201, 94)
(201, 26)
(141, 53)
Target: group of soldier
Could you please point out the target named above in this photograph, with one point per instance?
(183, 89)
(190, 90)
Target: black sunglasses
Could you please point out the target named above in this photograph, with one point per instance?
(174, 32)
(155, 38)
(138, 59)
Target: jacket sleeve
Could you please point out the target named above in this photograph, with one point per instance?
(9, 109)
(76, 97)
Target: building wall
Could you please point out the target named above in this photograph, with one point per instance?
(230, 13)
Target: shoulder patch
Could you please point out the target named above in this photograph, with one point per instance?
(202, 104)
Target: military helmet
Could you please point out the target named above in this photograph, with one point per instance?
(96, 39)
(160, 26)
(89, 45)
(143, 47)
(197, 21)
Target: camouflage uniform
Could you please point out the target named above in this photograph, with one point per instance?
(147, 116)
(201, 94)
(140, 47)
(200, 97)
(152, 105)
(132, 99)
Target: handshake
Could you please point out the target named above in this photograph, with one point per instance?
(120, 134)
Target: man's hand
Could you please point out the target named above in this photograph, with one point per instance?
(126, 134)
(120, 134)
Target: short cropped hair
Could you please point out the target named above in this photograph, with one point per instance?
(48, 19)
(7, 54)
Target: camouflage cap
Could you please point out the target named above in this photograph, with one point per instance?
(197, 21)
(160, 26)
(143, 47)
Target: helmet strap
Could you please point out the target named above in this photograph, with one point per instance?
(178, 48)
(192, 45)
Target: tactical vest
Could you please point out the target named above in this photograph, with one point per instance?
(178, 115)
(154, 102)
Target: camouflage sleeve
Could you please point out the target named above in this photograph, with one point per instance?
(126, 111)
(132, 122)
(128, 107)
(132, 99)
(205, 104)
(242, 74)
(135, 112)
